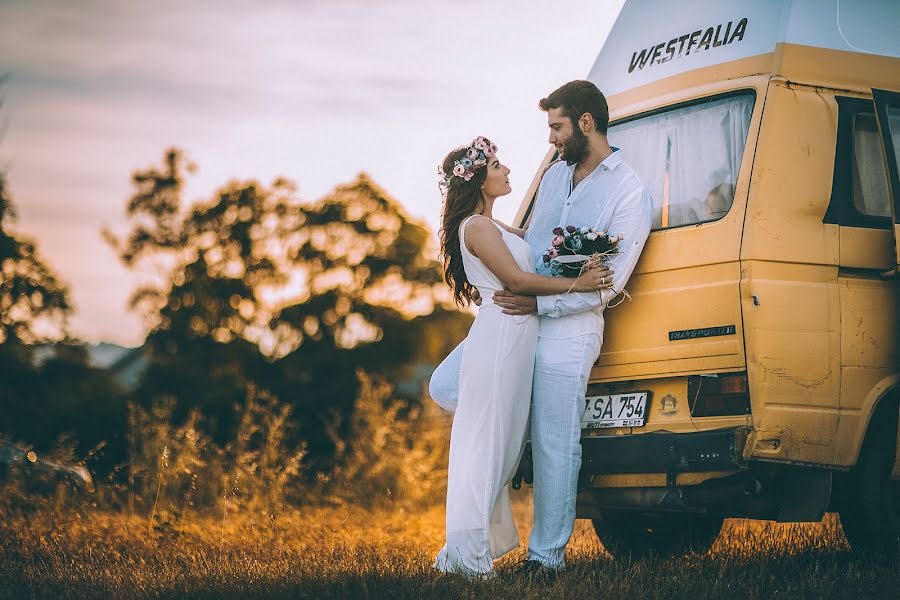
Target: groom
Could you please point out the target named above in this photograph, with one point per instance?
(591, 186)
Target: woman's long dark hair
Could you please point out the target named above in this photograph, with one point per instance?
(463, 199)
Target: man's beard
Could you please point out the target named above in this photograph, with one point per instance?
(576, 148)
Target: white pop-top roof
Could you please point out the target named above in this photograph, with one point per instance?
(653, 39)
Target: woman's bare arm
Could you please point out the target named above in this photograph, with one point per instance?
(485, 241)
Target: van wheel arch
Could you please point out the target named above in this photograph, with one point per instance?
(866, 498)
(888, 401)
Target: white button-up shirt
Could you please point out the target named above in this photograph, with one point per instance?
(612, 199)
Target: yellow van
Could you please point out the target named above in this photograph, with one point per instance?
(756, 370)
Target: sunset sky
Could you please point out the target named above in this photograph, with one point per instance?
(312, 90)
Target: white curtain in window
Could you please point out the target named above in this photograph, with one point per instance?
(707, 146)
(688, 157)
(643, 143)
(869, 178)
(893, 114)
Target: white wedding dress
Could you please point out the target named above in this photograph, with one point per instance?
(490, 422)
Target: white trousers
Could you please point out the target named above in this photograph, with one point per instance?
(562, 369)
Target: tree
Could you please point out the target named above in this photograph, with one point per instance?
(202, 305)
(256, 287)
(62, 394)
(34, 303)
(369, 288)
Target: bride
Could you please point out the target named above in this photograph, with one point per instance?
(481, 256)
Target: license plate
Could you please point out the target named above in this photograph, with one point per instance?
(615, 410)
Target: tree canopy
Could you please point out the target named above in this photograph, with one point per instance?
(60, 393)
(34, 303)
(258, 287)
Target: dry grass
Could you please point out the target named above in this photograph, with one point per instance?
(351, 552)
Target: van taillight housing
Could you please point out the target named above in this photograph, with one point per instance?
(719, 395)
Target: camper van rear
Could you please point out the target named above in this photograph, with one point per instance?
(755, 372)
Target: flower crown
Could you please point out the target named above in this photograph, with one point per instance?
(476, 157)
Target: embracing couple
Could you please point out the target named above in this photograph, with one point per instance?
(530, 350)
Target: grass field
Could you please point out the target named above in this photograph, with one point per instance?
(351, 552)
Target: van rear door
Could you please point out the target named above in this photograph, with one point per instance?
(887, 114)
(684, 316)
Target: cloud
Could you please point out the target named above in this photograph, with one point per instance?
(280, 56)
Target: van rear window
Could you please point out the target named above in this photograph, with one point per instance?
(689, 157)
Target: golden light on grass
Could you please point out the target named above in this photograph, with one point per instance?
(349, 551)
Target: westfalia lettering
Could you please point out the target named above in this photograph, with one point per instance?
(689, 334)
(720, 35)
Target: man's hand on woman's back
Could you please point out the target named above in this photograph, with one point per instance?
(514, 304)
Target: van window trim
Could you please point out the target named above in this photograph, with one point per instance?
(744, 91)
(686, 104)
(841, 210)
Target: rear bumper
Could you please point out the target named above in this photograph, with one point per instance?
(658, 452)
(663, 452)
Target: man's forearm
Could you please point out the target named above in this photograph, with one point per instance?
(633, 221)
(560, 305)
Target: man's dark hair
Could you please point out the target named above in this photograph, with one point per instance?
(576, 98)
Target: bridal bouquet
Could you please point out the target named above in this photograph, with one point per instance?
(574, 250)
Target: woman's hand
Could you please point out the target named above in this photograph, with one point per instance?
(594, 280)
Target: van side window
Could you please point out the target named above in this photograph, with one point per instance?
(869, 187)
(859, 192)
(689, 157)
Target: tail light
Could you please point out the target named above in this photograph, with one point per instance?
(719, 395)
